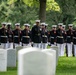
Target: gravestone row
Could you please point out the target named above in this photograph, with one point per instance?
(8, 58)
(31, 61)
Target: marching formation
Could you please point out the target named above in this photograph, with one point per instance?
(39, 37)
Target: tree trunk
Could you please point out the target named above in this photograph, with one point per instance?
(42, 11)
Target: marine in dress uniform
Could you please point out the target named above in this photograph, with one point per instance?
(69, 40)
(64, 35)
(17, 35)
(3, 35)
(36, 34)
(74, 42)
(60, 39)
(53, 35)
(44, 36)
(26, 35)
(10, 36)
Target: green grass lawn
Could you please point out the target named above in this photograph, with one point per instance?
(66, 66)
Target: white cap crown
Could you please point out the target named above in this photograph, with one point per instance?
(38, 21)
(4, 23)
(60, 23)
(70, 24)
(63, 25)
(8, 23)
(54, 26)
(43, 23)
(17, 24)
(26, 24)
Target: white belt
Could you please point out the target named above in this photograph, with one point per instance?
(44, 36)
(3, 36)
(74, 37)
(60, 36)
(68, 36)
(10, 35)
(16, 36)
(26, 36)
(52, 37)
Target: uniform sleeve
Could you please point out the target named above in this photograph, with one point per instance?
(48, 33)
(32, 34)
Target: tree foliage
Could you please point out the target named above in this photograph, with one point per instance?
(27, 11)
(52, 5)
(17, 12)
(67, 9)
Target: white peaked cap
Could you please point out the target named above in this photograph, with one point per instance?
(38, 21)
(46, 24)
(54, 25)
(3, 23)
(63, 25)
(26, 24)
(17, 24)
(60, 23)
(34, 24)
(70, 24)
(8, 23)
(43, 23)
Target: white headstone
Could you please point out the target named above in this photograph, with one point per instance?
(1, 47)
(32, 61)
(26, 46)
(57, 52)
(11, 58)
(17, 49)
(3, 60)
(54, 59)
